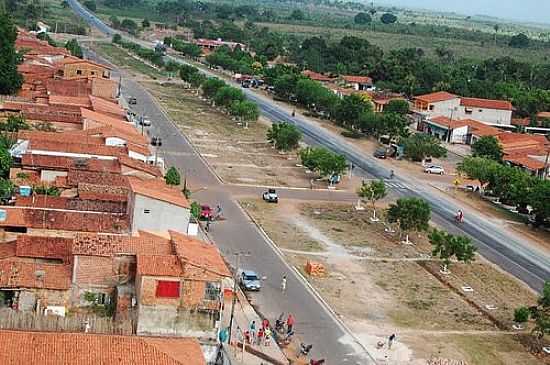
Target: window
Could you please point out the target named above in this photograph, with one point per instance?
(79, 72)
(212, 291)
(468, 110)
(106, 74)
(92, 73)
(480, 110)
(168, 289)
(431, 107)
(146, 211)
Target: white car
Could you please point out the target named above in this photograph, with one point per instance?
(434, 169)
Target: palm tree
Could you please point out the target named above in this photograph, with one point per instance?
(372, 12)
(496, 27)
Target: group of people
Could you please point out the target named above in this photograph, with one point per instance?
(258, 336)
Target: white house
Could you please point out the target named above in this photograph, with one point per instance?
(157, 207)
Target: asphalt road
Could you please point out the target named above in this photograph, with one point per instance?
(315, 323)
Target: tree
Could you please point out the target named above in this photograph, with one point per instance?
(285, 85)
(478, 168)
(348, 110)
(373, 191)
(419, 146)
(5, 162)
(172, 176)
(245, 110)
(145, 23)
(487, 147)
(129, 25)
(64, 4)
(323, 161)
(117, 38)
(6, 188)
(412, 214)
(284, 136)
(446, 246)
(496, 27)
(399, 106)
(74, 48)
(297, 14)
(90, 4)
(10, 79)
(195, 210)
(538, 198)
(521, 314)
(115, 22)
(211, 86)
(362, 18)
(388, 18)
(226, 95)
(541, 314)
(519, 41)
(14, 123)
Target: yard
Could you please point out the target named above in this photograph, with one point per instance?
(378, 285)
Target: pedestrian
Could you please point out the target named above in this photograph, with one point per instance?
(390, 340)
(265, 323)
(267, 336)
(260, 339)
(289, 323)
(240, 335)
(207, 225)
(252, 330)
(283, 284)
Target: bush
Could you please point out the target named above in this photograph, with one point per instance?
(351, 134)
(172, 176)
(521, 314)
(195, 210)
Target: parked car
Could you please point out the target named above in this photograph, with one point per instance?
(206, 212)
(434, 169)
(145, 122)
(250, 281)
(156, 141)
(271, 196)
(380, 152)
(132, 100)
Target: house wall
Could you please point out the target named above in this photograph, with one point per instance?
(137, 156)
(115, 141)
(459, 135)
(162, 216)
(29, 298)
(87, 70)
(50, 175)
(444, 108)
(491, 116)
(104, 88)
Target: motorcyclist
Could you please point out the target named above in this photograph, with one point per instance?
(392, 174)
(459, 216)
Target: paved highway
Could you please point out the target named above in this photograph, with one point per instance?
(316, 324)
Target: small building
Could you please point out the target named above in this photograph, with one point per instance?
(440, 103)
(358, 83)
(71, 68)
(315, 76)
(157, 207)
(445, 129)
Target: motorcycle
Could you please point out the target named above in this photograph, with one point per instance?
(459, 218)
(317, 362)
(304, 350)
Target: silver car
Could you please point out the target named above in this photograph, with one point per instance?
(250, 281)
(434, 169)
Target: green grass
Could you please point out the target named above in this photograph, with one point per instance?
(122, 58)
(389, 41)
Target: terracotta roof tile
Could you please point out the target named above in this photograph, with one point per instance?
(57, 348)
(103, 106)
(16, 273)
(157, 265)
(102, 192)
(88, 244)
(159, 190)
(77, 148)
(68, 163)
(481, 129)
(357, 79)
(77, 177)
(448, 123)
(139, 165)
(44, 247)
(435, 97)
(486, 103)
(7, 249)
(526, 161)
(76, 101)
(317, 76)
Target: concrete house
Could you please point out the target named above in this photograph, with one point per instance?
(157, 207)
(440, 103)
(358, 83)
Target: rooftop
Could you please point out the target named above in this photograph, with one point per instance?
(15, 273)
(55, 348)
(89, 244)
(67, 163)
(525, 161)
(43, 247)
(486, 103)
(447, 123)
(316, 76)
(435, 97)
(76, 101)
(159, 190)
(357, 79)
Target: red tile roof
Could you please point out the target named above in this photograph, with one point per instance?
(516, 141)
(435, 97)
(139, 165)
(77, 148)
(447, 123)
(29, 160)
(317, 76)
(481, 129)
(89, 244)
(103, 106)
(78, 177)
(159, 190)
(107, 192)
(357, 79)
(486, 103)
(157, 265)
(524, 161)
(44, 247)
(16, 273)
(58, 348)
(76, 101)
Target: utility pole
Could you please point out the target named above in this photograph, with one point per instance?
(235, 287)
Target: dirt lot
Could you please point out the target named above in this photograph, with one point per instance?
(378, 285)
(237, 154)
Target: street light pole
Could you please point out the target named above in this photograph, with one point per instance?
(235, 287)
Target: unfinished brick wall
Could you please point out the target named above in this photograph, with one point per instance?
(191, 293)
(93, 271)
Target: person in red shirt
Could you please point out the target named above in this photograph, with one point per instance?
(289, 323)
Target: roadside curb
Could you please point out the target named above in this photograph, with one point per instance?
(308, 286)
(286, 188)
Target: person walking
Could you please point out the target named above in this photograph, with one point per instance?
(252, 330)
(267, 336)
(390, 340)
(283, 284)
(289, 323)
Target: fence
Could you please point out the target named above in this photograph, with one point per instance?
(10, 319)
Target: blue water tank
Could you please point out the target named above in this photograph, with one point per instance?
(25, 190)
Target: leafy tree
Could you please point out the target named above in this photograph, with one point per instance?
(5, 162)
(90, 4)
(496, 27)
(388, 18)
(362, 18)
(115, 23)
(519, 41)
(14, 123)
(541, 313)
(419, 146)
(10, 79)
(226, 95)
(172, 176)
(446, 246)
(74, 48)
(284, 136)
(521, 314)
(397, 106)
(145, 23)
(478, 168)
(297, 14)
(64, 4)
(323, 161)
(211, 86)
(6, 188)
(245, 110)
(285, 85)
(538, 198)
(348, 110)
(412, 214)
(487, 147)
(373, 191)
(195, 210)
(117, 38)
(129, 25)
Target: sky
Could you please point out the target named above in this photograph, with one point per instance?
(524, 10)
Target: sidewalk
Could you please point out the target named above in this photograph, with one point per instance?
(254, 354)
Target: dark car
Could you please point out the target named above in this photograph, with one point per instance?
(380, 153)
(132, 100)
